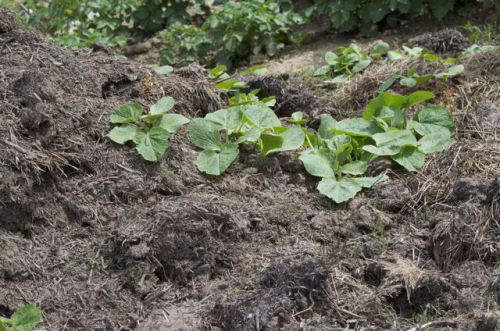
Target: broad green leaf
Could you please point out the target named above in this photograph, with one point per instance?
(362, 65)
(152, 144)
(128, 113)
(124, 133)
(321, 71)
(339, 191)
(394, 56)
(228, 119)
(367, 182)
(251, 135)
(419, 97)
(410, 158)
(163, 70)
(326, 126)
(163, 105)
(317, 164)
(261, 117)
(424, 78)
(293, 138)
(216, 162)
(205, 134)
(414, 52)
(435, 142)
(355, 168)
(388, 82)
(217, 71)
(391, 142)
(408, 82)
(230, 84)
(172, 122)
(298, 118)
(380, 49)
(340, 79)
(2, 327)
(270, 143)
(450, 72)
(424, 129)
(357, 127)
(385, 99)
(26, 318)
(331, 58)
(436, 115)
(255, 70)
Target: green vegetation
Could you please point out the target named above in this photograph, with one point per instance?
(412, 78)
(233, 33)
(349, 61)
(24, 319)
(366, 15)
(149, 132)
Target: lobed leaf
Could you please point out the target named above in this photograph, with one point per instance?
(216, 162)
(128, 113)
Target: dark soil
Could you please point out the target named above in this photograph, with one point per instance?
(101, 240)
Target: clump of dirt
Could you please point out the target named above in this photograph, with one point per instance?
(449, 41)
(7, 21)
(100, 239)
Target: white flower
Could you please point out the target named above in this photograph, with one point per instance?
(92, 15)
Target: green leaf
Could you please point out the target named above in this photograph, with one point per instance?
(293, 138)
(270, 143)
(357, 127)
(172, 122)
(326, 126)
(424, 78)
(216, 162)
(388, 82)
(152, 144)
(436, 115)
(321, 71)
(394, 56)
(331, 58)
(123, 133)
(408, 82)
(316, 163)
(410, 158)
(251, 135)
(391, 142)
(380, 49)
(436, 142)
(128, 113)
(419, 97)
(362, 65)
(255, 70)
(163, 105)
(339, 191)
(340, 79)
(163, 70)
(367, 182)
(26, 318)
(2, 327)
(230, 84)
(228, 119)
(261, 117)
(205, 134)
(217, 71)
(451, 71)
(355, 168)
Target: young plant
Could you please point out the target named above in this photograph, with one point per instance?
(247, 120)
(223, 81)
(339, 161)
(23, 319)
(406, 141)
(149, 132)
(345, 63)
(412, 78)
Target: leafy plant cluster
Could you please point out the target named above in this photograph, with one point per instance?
(367, 15)
(23, 319)
(348, 61)
(149, 132)
(81, 23)
(340, 152)
(234, 32)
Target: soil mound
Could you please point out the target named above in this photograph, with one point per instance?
(101, 240)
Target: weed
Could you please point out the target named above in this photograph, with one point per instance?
(24, 319)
